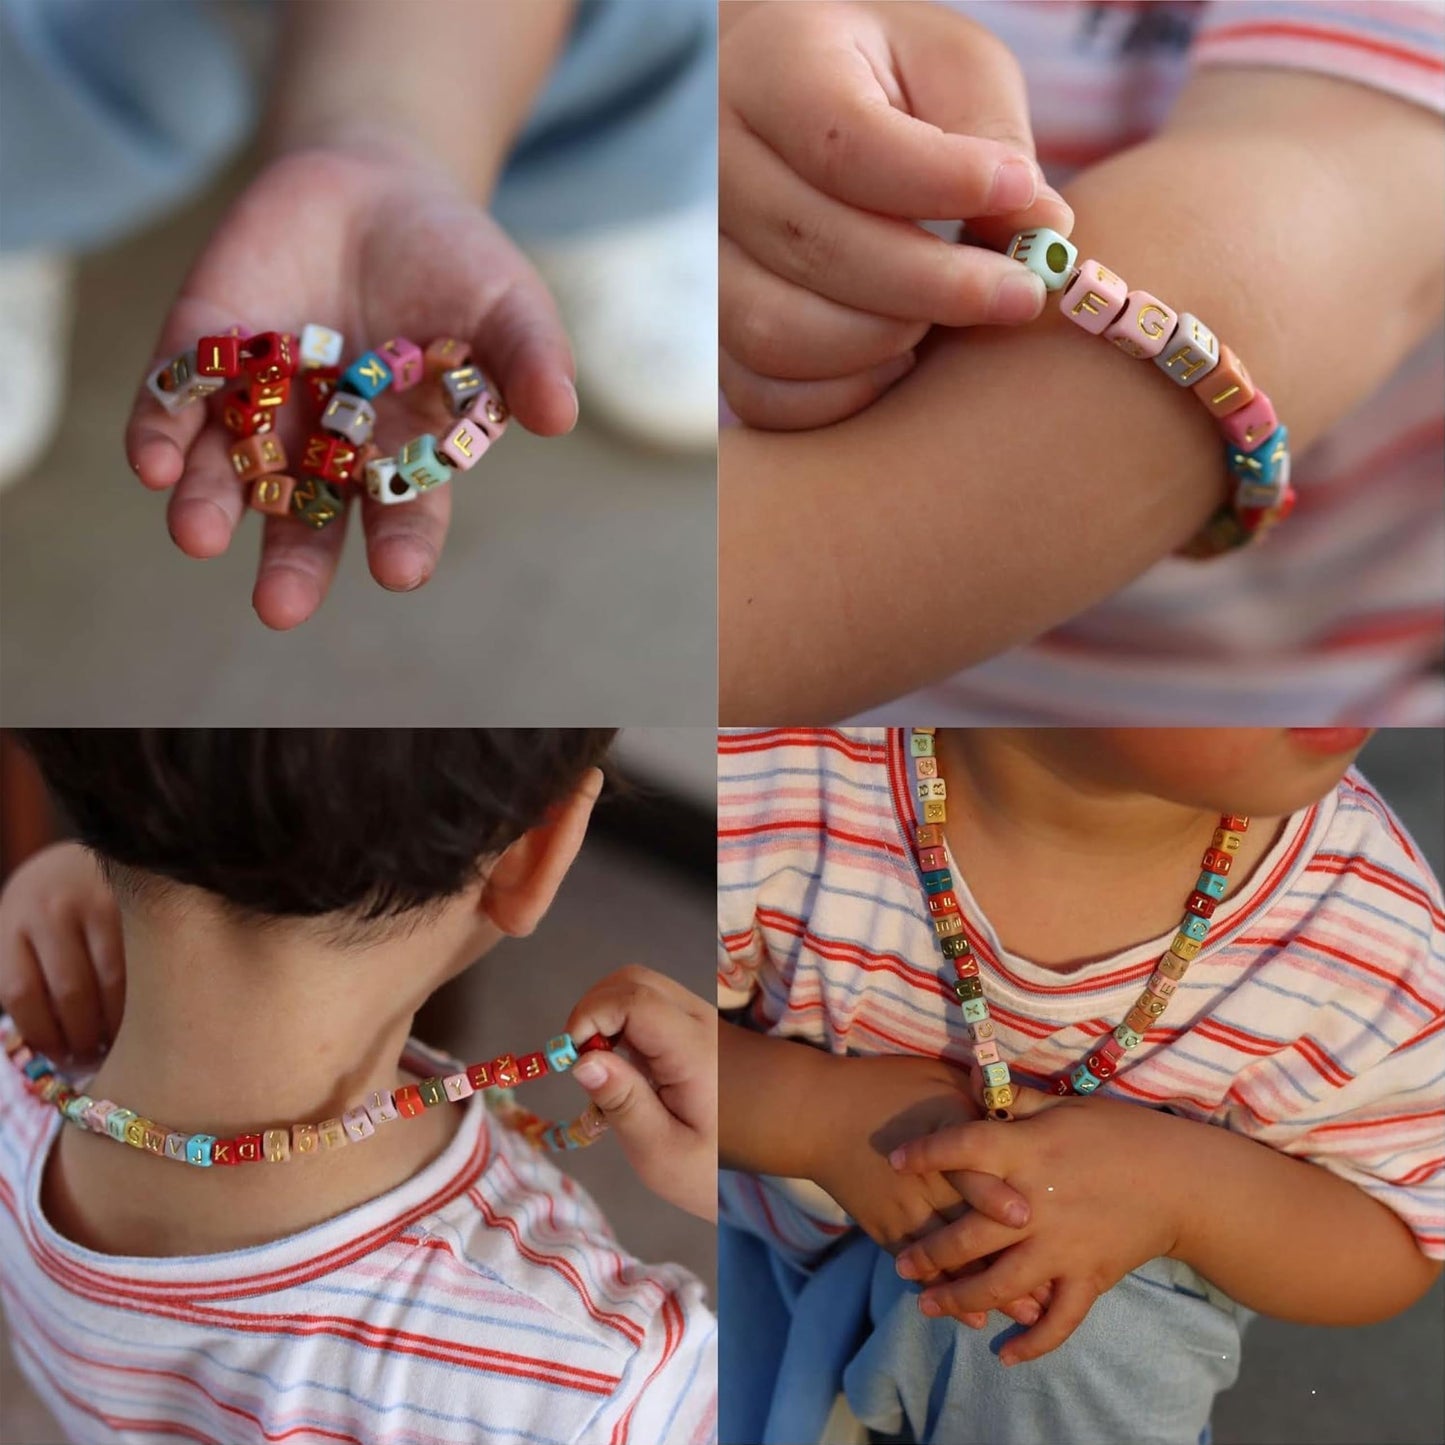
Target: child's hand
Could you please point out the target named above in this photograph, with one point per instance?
(374, 244)
(873, 1105)
(62, 961)
(664, 1114)
(1096, 1173)
(841, 125)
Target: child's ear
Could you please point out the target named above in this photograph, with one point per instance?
(524, 880)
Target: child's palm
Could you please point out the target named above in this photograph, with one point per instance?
(374, 247)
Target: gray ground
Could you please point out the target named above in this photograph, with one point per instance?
(577, 585)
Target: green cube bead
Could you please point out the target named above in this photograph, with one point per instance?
(1127, 1037)
(115, 1125)
(432, 1092)
(967, 988)
(1047, 254)
(956, 946)
(974, 1010)
(995, 1076)
(420, 464)
(920, 745)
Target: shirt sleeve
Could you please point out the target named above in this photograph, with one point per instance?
(1397, 46)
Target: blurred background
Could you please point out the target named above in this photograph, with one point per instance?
(578, 579)
(642, 891)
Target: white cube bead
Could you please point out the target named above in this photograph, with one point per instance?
(320, 345)
(386, 484)
(186, 386)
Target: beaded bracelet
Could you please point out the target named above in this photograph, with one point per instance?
(276, 1146)
(1189, 354)
(340, 402)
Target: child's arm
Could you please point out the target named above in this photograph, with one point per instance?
(1113, 1185)
(1019, 476)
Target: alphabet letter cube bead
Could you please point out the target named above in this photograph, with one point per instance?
(974, 1010)
(479, 1076)
(1046, 254)
(929, 836)
(176, 1147)
(1100, 1066)
(268, 357)
(1083, 1081)
(1094, 298)
(218, 356)
(935, 811)
(276, 1144)
(1143, 327)
(1193, 351)
(1227, 388)
(406, 361)
(254, 457)
(316, 503)
(331, 1133)
(385, 484)
(330, 458)
(135, 1132)
(1213, 884)
(965, 967)
(304, 1139)
(198, 1150)
(489, 412)
(532, 1066)
(1172, 966)
(1195, 927)
(505, 1073)
(1151, 1004)
(956, 947)
(349, 416)
(1201, 903)
(932, 859)
(920, 745)
(319, 385)
(1227, 840)
(1139, 1021)
(461, 386)
(223, 1151)
(1266, 467)
(245, 418)
(269, 394)
(248, 1148)
(357, 1124)
(1184, 947)
(999, 1098)
(1161, 984)
(925, 767)
(446, 353)
(464, 444)
(367, 376)
(432, 1092)
(421, 466)
(380, 1107)
(408, 1101)
(175, 383)
(1127, 1038)
(1217, 861)
(320, 345)
(272, 495)
(458, 1087)
(985, 1053)
(995, 1075)
(980, 1028)
(1252, 425)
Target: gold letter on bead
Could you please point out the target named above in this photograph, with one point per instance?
(1085, 304)
(1158, 326)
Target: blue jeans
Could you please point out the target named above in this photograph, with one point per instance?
(1144, 1366)
(112, 110)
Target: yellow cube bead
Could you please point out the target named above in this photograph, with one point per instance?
(276, 1144)
(1184, 947)
(935, 812)
(135, 1132)
(999, 1098)
(1227, 841)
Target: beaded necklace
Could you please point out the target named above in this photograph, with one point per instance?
(276, 1146)
(932, 861)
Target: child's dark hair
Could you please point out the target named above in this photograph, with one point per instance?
(372, 823)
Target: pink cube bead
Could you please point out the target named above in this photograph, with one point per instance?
(489, 412)
(985, 1053)
(1161, 984)
(1252, 425)
(1094, 298)
(358, 1125)
(1143, 327)
(1112, 1050)
(464, 445)
(406, 361)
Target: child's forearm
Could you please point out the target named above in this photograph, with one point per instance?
(451, 80)
(763, 1116)
(1019, 476)
(1288, 1238)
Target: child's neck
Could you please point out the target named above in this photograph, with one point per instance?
(226, 1031)
(1065, 868)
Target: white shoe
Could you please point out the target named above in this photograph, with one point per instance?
(36, 296)
(640, 304)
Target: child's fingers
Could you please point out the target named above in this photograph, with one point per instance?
(763, 401)
(1073, 1299)
(869, 262)
(71, 985)
(636, 1115)
(206, 506)
(157, 443)
(525, 349)
(992, 1197)
(404, 544)
(107, 953)
(656, 1016)
(1000, 1284)
(955, 1246)
(296, 570)
(27, 999)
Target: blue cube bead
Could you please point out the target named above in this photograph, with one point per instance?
(1195, 926)
(995, 1075)
(1213, 884)
(367, 376)
(198, 1149)
(561, 1053)
(1083, 1080)
(939, 881)
(38, 1067)
(1047, 254)
(419, 463)
(1267, 466)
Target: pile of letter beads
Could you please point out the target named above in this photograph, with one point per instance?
(276, 1146)
(339, 452)
(1190, 355)
(943, 908)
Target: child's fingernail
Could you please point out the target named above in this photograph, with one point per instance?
(975, 1322)
(905, 1267)
(1017, 1213)
(1018, 297)
(897, 1157)
(1015, 184)
(1008, 1359)
(1029, 1315)
(589, 1073)
(929, 1305)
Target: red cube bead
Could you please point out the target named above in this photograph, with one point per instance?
(1234, 823)
(248, 1148)
(223, 1151)
(1110, 1049)
(269, 394)
(1100, 1066)
(408, 1101)
(268, 357)
(932, 859)
(598, 1043)
(244, 418)
(332, 458)
(945, 902)
(1202, 904)
(506, 1072)
(1216, 862)
(319, 383)
(930, 835)
(479, 1076)
(532, 1066)
(218, 356)
(965, 967)
(1061, 1086)
(256, 456)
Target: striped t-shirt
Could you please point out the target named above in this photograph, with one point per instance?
(1339, 616)
(1311, 1020)
(484, 1300)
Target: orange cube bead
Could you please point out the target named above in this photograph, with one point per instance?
(408, 1101)
(446, 353)
(272, 494)
(1227, 388)
(506, 1072)
(254, 457)
(930, 835)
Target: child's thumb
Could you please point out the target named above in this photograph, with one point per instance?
(627, 1101)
